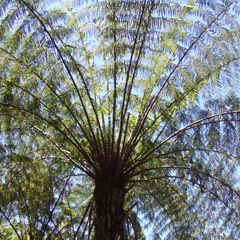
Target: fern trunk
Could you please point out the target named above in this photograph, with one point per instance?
(109, 215)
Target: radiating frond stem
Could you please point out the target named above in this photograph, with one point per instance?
(138, 136)
(125, 135)
(185, 168)
(54, 126)
(10, 223)
(126, 152)
(82, 168)
(122, 117)
(165, 154)
(163, 128)
(188, 50)
(135, 139)
(109, 120)
(197, 149)
(85, 87)
(57, 95)
(201, 186)
(41, 21)
(115, 84)
(166, 82)
(40, 117)
(99, 119)
(128, 94)
(184, 94)
(92, 104)
(190, 126)
(51, 111)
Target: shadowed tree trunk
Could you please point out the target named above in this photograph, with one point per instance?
(109, 216)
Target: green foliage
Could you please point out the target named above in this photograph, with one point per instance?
(139, 96)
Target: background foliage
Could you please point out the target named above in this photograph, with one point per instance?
(143, 92)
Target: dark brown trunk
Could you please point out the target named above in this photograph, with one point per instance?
(109, 215)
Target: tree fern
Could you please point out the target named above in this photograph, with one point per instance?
(119, 119)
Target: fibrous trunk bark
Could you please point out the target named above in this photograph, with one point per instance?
(109, 214)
